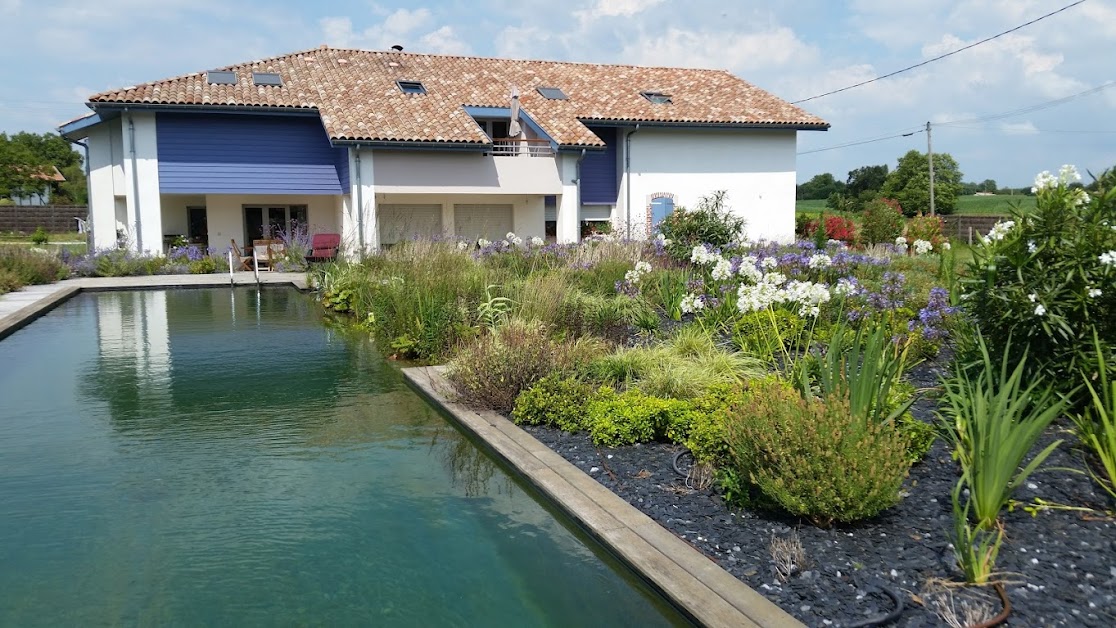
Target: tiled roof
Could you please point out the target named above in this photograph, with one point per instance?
(357, 97)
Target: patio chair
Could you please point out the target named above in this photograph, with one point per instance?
(267, 252)
(245, 260)
(323, 247)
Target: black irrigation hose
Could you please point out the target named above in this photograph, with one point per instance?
(677, 457)
(887, 618)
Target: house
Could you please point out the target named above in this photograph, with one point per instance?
(386, 145)
(41, 197)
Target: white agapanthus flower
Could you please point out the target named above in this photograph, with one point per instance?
(769, 263)
(922, 247)
(774, 279)
(846, 287)
(748, 269)
(642, 267)
(1094, 293)
(757, 297)
(999, 231)
(900, 241)
(820, 260)
(513, 240)
(808, 295)
(481, 242)
(722, 270)
(536, 241)
(1040, 310)
(462, 245)
(1109, 258)
(665, 241)
(632, 276)
(945, 246)
(692, 303)
(703, 256)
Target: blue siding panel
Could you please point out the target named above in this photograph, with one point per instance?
(342, 161)
(245, 154)
(599, 183)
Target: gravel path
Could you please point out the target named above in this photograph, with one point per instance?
(1061, 564)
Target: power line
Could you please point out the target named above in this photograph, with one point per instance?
(939, 57)
(871, 141)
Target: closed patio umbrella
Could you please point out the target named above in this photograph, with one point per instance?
(514, 129)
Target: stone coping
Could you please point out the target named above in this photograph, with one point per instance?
(691, 581)
(19, 308)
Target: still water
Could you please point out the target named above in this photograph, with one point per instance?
(224, 457)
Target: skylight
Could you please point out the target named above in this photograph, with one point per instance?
(552, 93)
(657, 98)
(411, 87)
(267, 78)
(220, 77)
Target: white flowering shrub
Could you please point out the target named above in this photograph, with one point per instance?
(1048, 280)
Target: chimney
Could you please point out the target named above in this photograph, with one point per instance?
(397, 48)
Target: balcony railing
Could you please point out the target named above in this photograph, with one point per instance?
(511, 147)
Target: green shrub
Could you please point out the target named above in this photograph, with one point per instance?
(631, 416)
(1046, 280)
(204, 266)
(711, 223)
(494, 369)
(554, 401)
(768, 333)
(928, 228)
(812, 457)
(920, 437)
(40, 236)
(9, 281)
(881, 221)
(702, 431)
(31, 267)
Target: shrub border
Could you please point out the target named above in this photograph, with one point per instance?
(692, 582)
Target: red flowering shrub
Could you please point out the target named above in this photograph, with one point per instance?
(836, 228)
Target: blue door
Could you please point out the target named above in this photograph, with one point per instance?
(660, 208)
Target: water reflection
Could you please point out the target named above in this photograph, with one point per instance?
(468, 467)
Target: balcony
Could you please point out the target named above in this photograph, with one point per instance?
(512, 147)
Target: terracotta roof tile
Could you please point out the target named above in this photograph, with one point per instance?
(355, 93)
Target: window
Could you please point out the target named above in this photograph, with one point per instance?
(552, 93)
(657, 98)
(272, 221)
(495, 129)
(220, 77)
(411, 87)
(267, 78)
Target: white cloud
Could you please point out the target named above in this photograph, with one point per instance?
(614, 8)
(740, 52)
(412, 29)
(9, 6)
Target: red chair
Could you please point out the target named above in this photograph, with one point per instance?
(323, 247)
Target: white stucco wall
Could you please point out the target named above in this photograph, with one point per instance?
(358, 207)
(755, 167)
(102, 202)
(174, 211)
(225, 213)
(141, 182)
(464, 173)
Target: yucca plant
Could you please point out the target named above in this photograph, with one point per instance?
(1097, 426)
(994, 422)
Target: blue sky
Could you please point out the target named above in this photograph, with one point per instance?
(57, 52)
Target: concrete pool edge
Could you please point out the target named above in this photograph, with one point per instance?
(19, 308)
(690, 580)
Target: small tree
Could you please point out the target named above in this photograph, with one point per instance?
(909, 183)
(711, 223)
(20, 169)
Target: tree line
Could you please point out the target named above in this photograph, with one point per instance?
(27, 160)
(908, 183)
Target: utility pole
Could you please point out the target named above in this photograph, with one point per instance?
(930, 158)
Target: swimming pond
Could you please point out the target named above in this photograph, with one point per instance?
(225, 457)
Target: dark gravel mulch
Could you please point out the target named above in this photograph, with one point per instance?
(1061, 564)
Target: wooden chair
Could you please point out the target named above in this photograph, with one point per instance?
(267, 252)
(245, 260)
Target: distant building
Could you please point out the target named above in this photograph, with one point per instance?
(42, 197)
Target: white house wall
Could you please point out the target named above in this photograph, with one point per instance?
(225, 213)
(141, 182)
(174, 211)
(464, 173)
(102, 201)
(755, 167)
(527, 211)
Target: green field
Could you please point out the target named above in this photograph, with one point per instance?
(999, 204)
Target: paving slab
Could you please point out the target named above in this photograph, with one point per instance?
(690, 580)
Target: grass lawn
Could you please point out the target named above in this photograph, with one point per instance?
(999, 204)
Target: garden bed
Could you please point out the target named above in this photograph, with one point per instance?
(1060, 564)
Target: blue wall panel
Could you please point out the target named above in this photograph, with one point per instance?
(341, 158)
(245, 154)
(599, 183)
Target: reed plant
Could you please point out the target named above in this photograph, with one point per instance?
(1096, 427)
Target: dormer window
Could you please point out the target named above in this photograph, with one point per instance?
(270, 79)
(220, 77)
(657, 98)
(411, 87)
